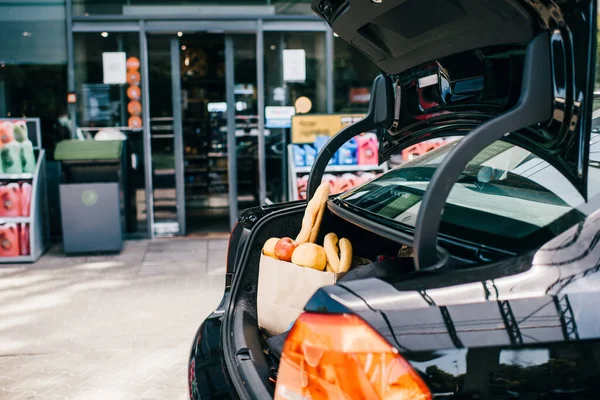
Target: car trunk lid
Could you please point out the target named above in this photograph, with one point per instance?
(462, 65)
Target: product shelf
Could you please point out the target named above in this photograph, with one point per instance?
(343, 168)
(10, 177)
(294, 172)
(18, 259)
(16, 220)
(39, 228)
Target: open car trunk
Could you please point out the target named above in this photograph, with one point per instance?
(247, 342)
(256, 354)
(496, 70)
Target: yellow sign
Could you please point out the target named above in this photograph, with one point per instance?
(305, 128)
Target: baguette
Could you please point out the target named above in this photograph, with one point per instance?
(313, 215)
(345, 255)
(330, 244)
(338, 252)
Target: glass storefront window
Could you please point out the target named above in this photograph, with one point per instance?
(162, 135)
(305, 89)
(282, 92)
(33, 78)
(246, 120)
(353, 76)
(101, 102)
(184, 7)
(33, 67)
(110, 110)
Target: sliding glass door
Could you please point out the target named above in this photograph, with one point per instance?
(204, 130)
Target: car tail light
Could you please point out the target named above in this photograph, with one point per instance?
(339, 356)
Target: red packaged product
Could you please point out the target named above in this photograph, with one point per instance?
(302, 184)
(338, 185)
(368, 149)
(364, 177)
(332, 179)
(24, 239)
(7, 129)
(10, 200)
(347, 182)
(9, 240)
(26, 190)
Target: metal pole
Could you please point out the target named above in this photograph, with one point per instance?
(122, 95)
(178, 134)
(231, 143)
(284, 132)
(72, 108)
(260, 68)
(281, 82)
(329, 70)
(146, 123)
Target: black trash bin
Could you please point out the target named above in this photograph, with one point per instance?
(90, 195)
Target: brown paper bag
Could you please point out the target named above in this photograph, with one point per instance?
(283, 291)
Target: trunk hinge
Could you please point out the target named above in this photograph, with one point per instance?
(397, 106)
(243, 354)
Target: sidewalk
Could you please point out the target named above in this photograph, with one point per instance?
(107, 327)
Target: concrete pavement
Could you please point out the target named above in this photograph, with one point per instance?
(107, 327)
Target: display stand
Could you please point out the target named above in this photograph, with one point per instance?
(294, 171)
(34, 131)
(39, 229)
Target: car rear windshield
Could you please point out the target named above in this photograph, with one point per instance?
(504, 195)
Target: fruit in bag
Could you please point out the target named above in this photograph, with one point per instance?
(284, 249)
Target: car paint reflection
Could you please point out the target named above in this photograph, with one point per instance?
(504, 337)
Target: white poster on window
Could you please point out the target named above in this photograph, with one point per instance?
(294, 65)
(279, 116)
(114, 68)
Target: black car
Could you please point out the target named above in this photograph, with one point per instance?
(484, 277)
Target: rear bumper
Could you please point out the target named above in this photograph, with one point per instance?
(207, 376)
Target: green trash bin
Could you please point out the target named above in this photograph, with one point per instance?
(90, 195)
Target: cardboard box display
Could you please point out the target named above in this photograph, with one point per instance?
(283, 291)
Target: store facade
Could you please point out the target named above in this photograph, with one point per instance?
(181, 82)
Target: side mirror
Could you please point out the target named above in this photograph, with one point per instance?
(379, 115)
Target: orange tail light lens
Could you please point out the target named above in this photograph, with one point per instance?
(340, 356)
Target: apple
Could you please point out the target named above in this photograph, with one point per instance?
(284, 249)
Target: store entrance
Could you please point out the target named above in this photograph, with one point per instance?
(200, 182)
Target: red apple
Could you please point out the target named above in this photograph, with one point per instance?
(284, 249)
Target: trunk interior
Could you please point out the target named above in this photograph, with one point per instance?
(265, 351)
